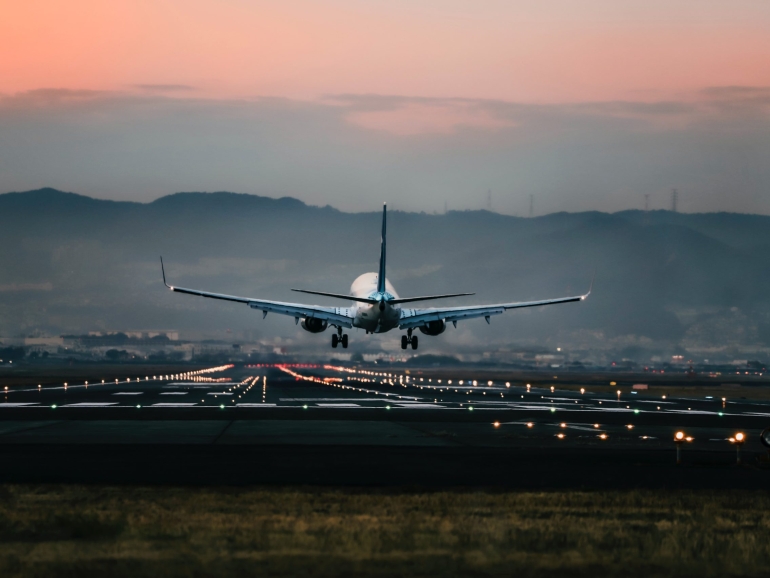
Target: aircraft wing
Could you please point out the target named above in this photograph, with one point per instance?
(340, 316)
(411, 318)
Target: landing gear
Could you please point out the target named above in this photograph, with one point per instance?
(407, 339)
(340, 338)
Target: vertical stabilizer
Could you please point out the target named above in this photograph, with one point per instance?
(381, 273)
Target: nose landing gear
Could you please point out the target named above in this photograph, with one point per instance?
(340, 338)
(407, 339)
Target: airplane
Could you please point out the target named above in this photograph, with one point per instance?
(376, 307)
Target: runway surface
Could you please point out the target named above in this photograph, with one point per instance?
(334, 425)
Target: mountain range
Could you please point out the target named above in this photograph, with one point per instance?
(664, 281)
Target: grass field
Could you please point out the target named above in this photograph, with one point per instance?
(51, 531)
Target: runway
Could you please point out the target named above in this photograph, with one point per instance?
(335, 425)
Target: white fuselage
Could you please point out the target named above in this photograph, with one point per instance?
(377, 318)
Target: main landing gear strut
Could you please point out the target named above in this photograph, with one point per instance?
(339, 337)
(407, 339)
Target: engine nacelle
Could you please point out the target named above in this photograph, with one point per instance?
(433, 327)
(314, 325)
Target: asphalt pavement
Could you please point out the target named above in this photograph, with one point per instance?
(341, 426)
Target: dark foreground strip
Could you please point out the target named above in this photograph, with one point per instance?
(372, 466)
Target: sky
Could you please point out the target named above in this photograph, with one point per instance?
(583, 104)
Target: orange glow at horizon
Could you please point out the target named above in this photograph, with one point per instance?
(563, 52)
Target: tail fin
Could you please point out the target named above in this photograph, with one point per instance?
(381, 273)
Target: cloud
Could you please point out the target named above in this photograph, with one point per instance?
(352, 151)
(737, 91)
(165, 87)
(14, 287)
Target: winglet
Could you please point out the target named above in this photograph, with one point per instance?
(590, 288)
(163, 271)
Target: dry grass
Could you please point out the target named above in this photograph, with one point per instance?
(116, 531)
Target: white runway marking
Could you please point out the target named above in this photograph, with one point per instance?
(611, 409)
(694, 411)
(17, 404)
(255, 405)
(338, 405)
(545, 407)
(172, 405)
(345, 399)
(91, 404)
(178, 383)
(418, 405)
(128, 393)
(174, 393)
(219, 393)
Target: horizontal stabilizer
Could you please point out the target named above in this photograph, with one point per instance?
(338, 296)
(428, 298)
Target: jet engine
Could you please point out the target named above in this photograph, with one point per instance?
(434, 327)
(314, 325)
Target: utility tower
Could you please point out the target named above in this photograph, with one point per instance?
(674, 199)
(531, 206)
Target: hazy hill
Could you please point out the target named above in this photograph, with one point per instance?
(70, 263)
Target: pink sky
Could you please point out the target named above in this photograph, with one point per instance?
(550, 51)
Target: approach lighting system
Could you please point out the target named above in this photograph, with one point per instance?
(679, 438)
(738, 440)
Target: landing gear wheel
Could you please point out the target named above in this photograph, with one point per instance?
(404, 341)
(335, 340)
(414, 342)
(345, 341)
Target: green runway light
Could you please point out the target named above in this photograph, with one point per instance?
(138, 406)
(636, 411)
(304, 407)
(53, 406)
(222, 406)
(387, 407)
(720, 414)
(470, 408)
(553, 409)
